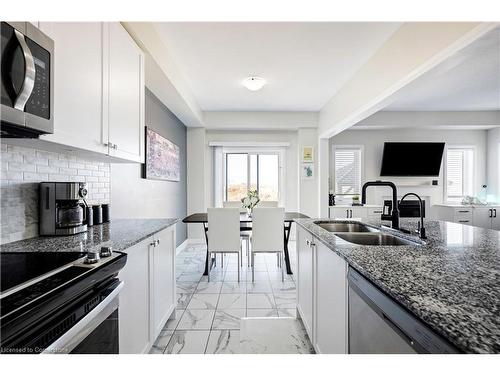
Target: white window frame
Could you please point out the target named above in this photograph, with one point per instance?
(445, 166)
(361, 149)
(220, 179)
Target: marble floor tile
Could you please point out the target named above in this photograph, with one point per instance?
(196, 320)
(224, 342)
(274, 336)
(188, 342)
(284, 287)
(161, 342)
(186, 286)
(203, 301)
(190, 277)
(259, 287)
(232, 301)
(233, 287)
(259, 276)
(228, 319)
(212, 287)
(233, 276)
(260, 267)
(287, 313)
(219, 276)
(285, 300)
(262, 313)
(172, 323)
(260, 301)
(183, 301)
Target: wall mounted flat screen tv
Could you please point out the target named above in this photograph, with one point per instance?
(412, 159)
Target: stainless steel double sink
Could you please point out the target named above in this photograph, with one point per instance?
(362, 234)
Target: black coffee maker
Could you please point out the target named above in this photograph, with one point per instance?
(62, 208)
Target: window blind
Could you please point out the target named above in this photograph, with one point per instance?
(347, 171)
(455, 172)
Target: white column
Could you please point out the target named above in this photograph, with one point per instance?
(196, 179)
(308, 189)
(324, 175)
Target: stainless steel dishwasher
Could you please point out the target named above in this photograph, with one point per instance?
(378, 325)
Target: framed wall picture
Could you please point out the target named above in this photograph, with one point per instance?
(307, 154)
(307, 171)
(162, 158)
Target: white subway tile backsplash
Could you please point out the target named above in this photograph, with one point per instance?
(23, 168)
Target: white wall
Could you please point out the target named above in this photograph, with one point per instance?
(373, 142)
(493, 163)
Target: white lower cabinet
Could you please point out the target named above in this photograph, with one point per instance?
(330, 307)
(148, 296)
(305, 280)
(322, 294)
(355, 212)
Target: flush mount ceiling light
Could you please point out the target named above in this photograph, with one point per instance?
(254, 83)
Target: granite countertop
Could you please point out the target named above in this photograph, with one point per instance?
(452, 282)
(119, 233)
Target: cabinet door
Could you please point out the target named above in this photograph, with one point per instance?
(305, 280)
(358, 212)
(330, 333)
(495, 221)
(78, 84)
(482, 216)
(126, 95)
(163, 279)
(134, 311)
(339, 212)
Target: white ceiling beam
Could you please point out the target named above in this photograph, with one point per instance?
(439, 120)
(412, 50)
(163, 77)
(290, 121)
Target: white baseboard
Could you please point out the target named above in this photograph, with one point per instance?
(187, 242)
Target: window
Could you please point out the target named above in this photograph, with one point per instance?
(347, 163)
(459, 173)
(252, 171)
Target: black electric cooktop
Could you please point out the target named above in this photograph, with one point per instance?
(18, 268)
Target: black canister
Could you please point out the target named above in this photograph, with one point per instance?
(90, 216)
(105, 213)
(97, 208)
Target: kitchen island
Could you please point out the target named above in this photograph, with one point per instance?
(450, 281)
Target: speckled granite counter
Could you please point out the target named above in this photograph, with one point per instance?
(452, 282)
(119, 233)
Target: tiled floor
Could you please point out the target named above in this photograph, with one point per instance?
(209, 313)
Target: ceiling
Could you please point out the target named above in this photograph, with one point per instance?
(303, 63)
(468, 81)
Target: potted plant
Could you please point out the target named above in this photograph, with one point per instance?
(250, 201)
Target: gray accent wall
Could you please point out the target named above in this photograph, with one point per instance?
(135, 197)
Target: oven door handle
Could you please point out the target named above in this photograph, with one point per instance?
(29, 74)
(76, 334)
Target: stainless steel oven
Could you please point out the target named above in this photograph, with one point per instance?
(27, 76)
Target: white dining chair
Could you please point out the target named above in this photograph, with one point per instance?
(245, 235)
(224, 233)
(268, 204)
(268, 232)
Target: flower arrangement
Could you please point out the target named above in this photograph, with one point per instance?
(250, 201)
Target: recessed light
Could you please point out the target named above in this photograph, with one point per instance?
(254, 83)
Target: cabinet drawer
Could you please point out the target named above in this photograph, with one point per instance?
(374, 211)
(463, 216)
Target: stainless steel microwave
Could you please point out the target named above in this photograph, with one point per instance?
(27, 73)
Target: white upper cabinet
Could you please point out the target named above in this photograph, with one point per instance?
(78, 84)
(98, 89)
(126, 96)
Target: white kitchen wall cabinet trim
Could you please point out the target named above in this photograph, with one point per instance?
(98, 90)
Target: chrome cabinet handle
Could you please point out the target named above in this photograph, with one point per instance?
(347, 213)
(495, 212)
(29, 74)
(491, 212)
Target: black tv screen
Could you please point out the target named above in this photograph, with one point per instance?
(412, 159)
